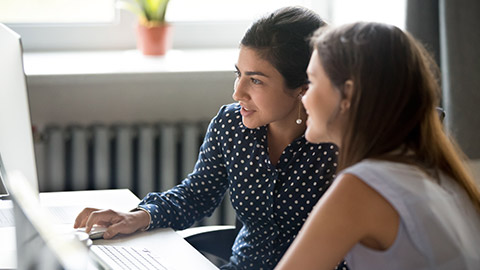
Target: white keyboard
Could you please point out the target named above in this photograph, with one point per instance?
(120, 257)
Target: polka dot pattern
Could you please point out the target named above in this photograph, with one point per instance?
(271, 201)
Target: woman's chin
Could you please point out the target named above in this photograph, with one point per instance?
(316, 138)
(312, 138)
(249, 124)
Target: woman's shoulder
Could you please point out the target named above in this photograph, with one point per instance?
(228, 114)
(400, 183)
(420, 199)
(228, 120)
(229, 110)
(369, 168)
(393, 180)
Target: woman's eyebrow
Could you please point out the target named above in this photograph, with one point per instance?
(250, 73)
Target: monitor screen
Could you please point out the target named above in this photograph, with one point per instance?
(16, 144)
(3, 187)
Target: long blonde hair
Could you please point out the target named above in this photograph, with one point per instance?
(393, 106)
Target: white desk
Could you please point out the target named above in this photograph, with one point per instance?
(169, 244)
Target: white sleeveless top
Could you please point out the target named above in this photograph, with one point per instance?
(439, 227)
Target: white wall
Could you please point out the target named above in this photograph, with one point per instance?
(113, 98)
(141, 97)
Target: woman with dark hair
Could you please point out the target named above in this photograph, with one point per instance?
(373, 91)
(254, 148)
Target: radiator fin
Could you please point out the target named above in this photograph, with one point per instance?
(141, 157)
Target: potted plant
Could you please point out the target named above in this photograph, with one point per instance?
(153, 32)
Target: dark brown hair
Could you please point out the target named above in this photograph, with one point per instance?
(282, 38)
(393, 113)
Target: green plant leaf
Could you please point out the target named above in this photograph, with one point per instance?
(148, 10)
(154, 10)
(134, 8)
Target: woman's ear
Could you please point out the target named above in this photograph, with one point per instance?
(348, 90)
(348, 93)
(303, 89)
(300, 91)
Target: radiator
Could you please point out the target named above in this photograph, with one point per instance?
(140, 157)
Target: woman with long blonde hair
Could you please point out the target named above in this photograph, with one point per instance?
(403, 198)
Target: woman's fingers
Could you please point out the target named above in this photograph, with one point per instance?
(101, 217)
(117, 228)
(126, 223)
(116, 222)
(82, 217)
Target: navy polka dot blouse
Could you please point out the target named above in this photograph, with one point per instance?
(271, 201)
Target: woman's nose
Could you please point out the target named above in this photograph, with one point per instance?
(238, 90)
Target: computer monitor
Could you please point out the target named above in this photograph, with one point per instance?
(3, 188)
(16, 143)
(39, 244)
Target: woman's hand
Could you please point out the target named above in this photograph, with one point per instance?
(117, 222)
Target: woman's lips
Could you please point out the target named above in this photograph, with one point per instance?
(246, 112)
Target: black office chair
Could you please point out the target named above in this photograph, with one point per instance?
(215, 242)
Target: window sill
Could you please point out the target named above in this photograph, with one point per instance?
(128, 62)
(125, 86)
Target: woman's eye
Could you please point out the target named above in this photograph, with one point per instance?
(255, 81)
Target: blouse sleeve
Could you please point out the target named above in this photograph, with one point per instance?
(199, 194)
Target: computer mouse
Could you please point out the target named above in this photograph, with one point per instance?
(97, 233)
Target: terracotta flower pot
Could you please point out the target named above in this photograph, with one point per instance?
(154, 40)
